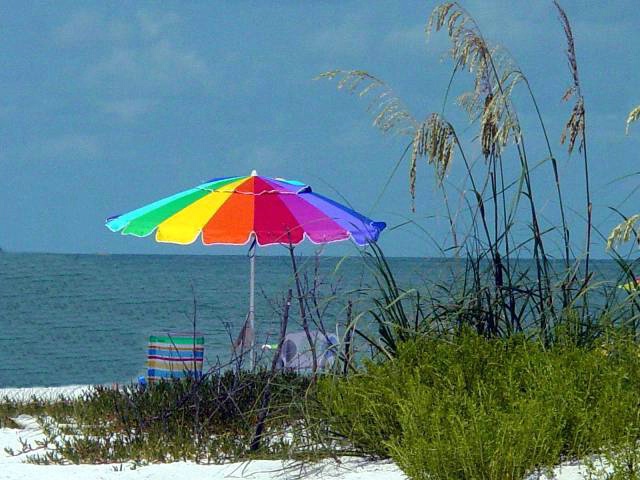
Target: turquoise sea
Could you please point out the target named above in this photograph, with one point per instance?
(77, 319)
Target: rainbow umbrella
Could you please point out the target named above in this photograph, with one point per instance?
(252, 209)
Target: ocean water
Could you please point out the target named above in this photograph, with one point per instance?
(76, 319)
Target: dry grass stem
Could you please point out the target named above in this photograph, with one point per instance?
(389, 113)
(623, 232)
(495, 76)
(633, 116)
(575, 126)
(434, 140)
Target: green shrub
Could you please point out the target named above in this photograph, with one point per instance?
(472, 408)
(212, 420)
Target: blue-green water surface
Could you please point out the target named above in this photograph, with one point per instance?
(77, 319)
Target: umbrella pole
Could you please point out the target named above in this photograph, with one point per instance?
(252, 275)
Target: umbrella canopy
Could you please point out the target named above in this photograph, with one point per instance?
(232, 210)
(238, 210)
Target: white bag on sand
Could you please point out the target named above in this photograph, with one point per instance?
(296, 351)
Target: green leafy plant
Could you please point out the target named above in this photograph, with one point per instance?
(209, 420)
(467, 407)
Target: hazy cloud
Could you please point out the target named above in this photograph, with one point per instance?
(161, 67)
(128, 109)
(87, 28)
(411, 38)
(80, 27)
(136, 57)
(154, 24)
(70, 146)
(266, 159)
(7, 109)
(350, 38)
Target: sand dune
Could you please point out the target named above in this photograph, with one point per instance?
(15, 468)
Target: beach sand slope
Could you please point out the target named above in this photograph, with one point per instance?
(15, 468)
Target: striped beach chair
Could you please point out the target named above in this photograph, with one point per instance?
(175, 355)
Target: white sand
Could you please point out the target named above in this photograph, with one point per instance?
(14, 468)
(44, 393)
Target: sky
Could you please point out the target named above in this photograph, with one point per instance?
(107, 106)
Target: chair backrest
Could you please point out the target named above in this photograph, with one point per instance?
(296, 351)
(175, 355)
